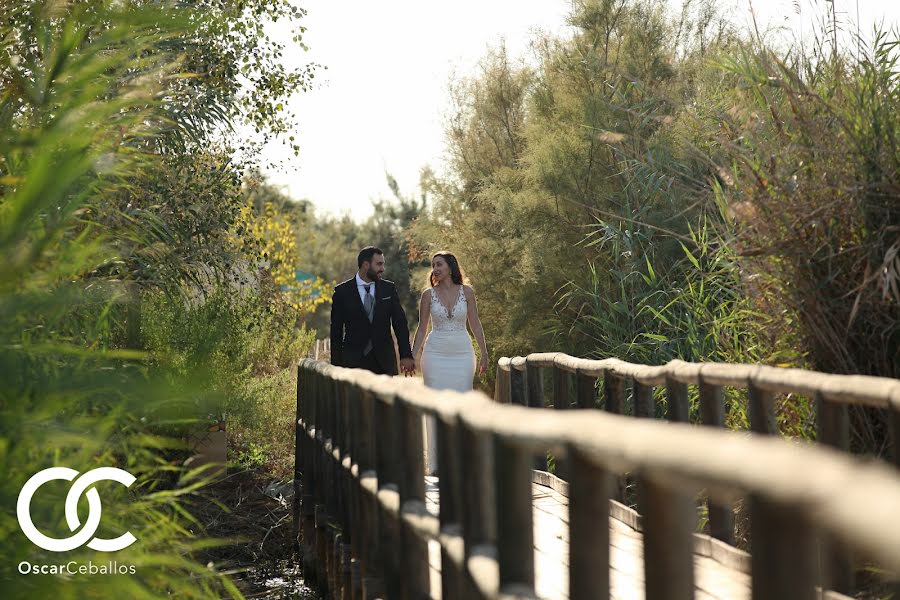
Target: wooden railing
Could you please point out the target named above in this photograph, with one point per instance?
(360, 486)
(321, 350)
(520, 381)
(604, 384)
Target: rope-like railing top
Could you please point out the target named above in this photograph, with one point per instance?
(878, 392)
(855, 501)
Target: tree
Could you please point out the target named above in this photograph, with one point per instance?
(79, 94)
(569, 197)
(277, 233)
(387, 229)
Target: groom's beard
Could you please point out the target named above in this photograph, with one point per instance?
(372, 275)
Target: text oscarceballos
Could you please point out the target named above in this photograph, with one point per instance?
(75, 568)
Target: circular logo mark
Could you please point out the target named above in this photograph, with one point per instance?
(79, 487)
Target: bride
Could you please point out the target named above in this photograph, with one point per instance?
(448, 362)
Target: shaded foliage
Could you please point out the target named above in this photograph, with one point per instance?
(105, 189)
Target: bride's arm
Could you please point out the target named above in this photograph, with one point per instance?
(424, 317)
(475, 326)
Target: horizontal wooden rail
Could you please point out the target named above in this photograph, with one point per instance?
(879, 392)
(364, 520)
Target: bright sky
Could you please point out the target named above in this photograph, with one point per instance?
(380, 104)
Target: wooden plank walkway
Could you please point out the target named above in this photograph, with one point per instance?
(720, 572)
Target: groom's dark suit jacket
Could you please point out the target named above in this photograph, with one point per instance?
(351, 329)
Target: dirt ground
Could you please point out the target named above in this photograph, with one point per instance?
(254, 512)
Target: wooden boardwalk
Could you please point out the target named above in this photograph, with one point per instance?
(720, 572)
(372, 525)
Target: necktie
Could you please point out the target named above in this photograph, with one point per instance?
(369, 305)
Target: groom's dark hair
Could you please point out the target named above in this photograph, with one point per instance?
(366, 254)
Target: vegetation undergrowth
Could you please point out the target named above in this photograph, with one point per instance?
(125, 243)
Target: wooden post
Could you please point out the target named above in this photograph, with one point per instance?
(320, 489)
(346, 577)
(337, 548)
(414, 549)
(342, 444)
(677, 405)
(299, 434)
(560, 388)
(515, 535)
(345, 488)
(450, 493)
(643, 401)
(833, 429)
(479, 517)
(322, 561)
(517, 393)
(712, 414)
(589, 493)
(784, 562)
(334, 499)
(503, 384)
(357, 524)
(762, 411)
(324, 521)
(386, 450)
(368, 506)
(669, 520)
(534, 376)
(894, 427)
(712, 405)
(614, 402)
(386, 465)
(560, 402)
(366, 433)
(412, 463)
(449, 456)
(585, 390)
(320, 575)
(613, 393)
(308, 456)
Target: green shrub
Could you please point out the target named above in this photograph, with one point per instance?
(261, 415)
(812, 143)
(72, 109)
(94, 93)
(224, 344)
(226, 336)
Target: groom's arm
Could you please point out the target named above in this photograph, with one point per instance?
(401, 329)
(337, 330)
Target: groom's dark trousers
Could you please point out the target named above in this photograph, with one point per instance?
(351, 330)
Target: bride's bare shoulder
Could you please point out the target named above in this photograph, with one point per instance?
(469, 292)
(426, 295)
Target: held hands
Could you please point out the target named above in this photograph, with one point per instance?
(408, 366)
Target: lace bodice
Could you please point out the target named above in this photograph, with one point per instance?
(449, 319)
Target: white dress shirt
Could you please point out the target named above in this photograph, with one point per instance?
(360, 287)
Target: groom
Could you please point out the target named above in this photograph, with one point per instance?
(363, 309)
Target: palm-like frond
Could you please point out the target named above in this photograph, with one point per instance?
(76, 108)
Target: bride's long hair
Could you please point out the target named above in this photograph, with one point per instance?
(456, 273)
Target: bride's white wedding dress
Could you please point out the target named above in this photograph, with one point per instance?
(448, 360)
